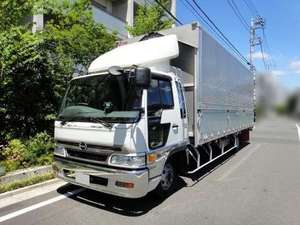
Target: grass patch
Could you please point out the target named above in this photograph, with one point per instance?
(25, 182)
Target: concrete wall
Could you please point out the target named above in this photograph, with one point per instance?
(38, 22)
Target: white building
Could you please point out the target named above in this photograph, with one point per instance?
(114, 14)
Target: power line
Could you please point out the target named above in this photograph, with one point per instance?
(222, 34)
(251, 7)
(254, 7)
(273, 63)
(195, 12)
(238, 14)
(192, 9)
(170, 14)
(211, 25)
(199, 16)
(263, 56)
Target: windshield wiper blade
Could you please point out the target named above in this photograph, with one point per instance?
(103, 122)
(70, 119)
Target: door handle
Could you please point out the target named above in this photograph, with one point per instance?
(175, 126)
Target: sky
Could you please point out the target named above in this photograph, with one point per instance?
(282, 31)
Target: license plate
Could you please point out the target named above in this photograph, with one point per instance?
(82, 178)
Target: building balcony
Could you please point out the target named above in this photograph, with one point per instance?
(111, 22)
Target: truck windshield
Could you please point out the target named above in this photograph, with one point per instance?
(102, 98)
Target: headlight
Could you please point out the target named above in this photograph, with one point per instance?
(60, 150)
(128, 160)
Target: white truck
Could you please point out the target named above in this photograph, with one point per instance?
(157, 105)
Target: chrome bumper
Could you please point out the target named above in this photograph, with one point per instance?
(106, 178)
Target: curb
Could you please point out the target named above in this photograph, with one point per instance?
(25, 173)
(27, 188)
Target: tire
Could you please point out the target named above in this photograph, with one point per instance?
(168, 181)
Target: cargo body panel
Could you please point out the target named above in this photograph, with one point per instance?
(218, 87)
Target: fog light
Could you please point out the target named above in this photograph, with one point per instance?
(124, 184)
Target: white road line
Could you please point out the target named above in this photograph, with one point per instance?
(298, 128)
(239, 163)
(39, 205)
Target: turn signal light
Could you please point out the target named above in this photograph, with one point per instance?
(124, 184)
(151, 158)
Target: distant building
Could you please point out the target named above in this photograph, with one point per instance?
(113, 14)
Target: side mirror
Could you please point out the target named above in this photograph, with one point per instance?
(142, 77)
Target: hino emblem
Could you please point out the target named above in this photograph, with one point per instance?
(82, 146)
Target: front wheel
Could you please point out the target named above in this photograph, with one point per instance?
(168, 181)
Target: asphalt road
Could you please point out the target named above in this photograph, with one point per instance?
(259, 185)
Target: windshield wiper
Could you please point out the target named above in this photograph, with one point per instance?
(98, 120)
(70, 119)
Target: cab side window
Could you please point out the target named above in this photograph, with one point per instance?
(160, 96)
(181, 100)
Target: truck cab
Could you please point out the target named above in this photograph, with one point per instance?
(117, 128)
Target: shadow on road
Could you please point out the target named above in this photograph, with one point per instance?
(123, 206)
(137, 207)
(205, 171)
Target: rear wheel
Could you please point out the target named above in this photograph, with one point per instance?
(168, 181)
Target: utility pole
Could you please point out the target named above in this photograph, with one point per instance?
(256, 23)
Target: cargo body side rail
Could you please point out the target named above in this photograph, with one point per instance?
(210, 151)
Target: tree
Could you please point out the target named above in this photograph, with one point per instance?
(14, 12)
(35, 68)
(150, 18)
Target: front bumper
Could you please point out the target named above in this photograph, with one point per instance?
(106, 178)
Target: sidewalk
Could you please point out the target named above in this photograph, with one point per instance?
(25, 193)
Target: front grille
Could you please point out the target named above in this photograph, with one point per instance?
(86, 155)
(90, 146)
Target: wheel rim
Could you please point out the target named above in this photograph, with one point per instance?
(167, 177)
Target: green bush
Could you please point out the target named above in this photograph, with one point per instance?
(15, 150)
(38, 146)
(45, 159)
(36, 151)
(11, 165)
(14, 155)
(281, 109)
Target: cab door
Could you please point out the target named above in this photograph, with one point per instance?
(182, 110)
(165, 126)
